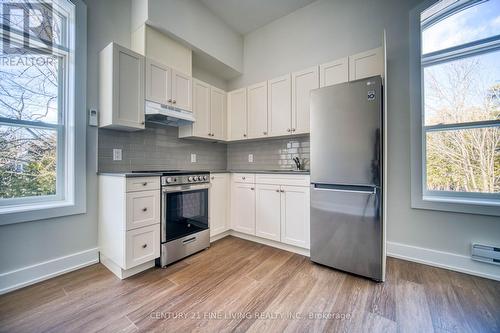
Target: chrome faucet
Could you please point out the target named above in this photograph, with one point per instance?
(297, 163)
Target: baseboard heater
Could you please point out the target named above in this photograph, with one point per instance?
(485, 253)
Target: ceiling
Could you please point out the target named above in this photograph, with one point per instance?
(244, 16)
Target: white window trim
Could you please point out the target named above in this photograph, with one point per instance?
(452, 202)
(75, 168)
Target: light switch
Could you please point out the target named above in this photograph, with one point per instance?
(250, 158)
(193, 158)
(117, 154)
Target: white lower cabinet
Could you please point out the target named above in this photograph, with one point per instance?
(272, 206)
(129, 223)
(219, 196)
(267, 213)
(243, 207)
(295, 217)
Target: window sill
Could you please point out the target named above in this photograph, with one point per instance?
(39, 211)
(458, 205)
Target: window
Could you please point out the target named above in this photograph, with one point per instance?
(458, 111)
(40, 131)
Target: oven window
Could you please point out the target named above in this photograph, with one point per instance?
(186, 213)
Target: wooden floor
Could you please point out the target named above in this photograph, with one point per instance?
(238, 285)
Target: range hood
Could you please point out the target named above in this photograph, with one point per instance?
(167, 115)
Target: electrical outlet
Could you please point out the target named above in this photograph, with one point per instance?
(117, 154)
(92, 117)
(250, 158)
(193, 158)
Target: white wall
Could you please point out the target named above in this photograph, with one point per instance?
(31, 243)
(329, 29)
(192, 22)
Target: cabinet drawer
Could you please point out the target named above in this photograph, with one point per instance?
(244, 178)
(143, 184)
(283, 179)
(143, 209)
(142, 245)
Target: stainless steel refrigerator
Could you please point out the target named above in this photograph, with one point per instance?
(346, 177)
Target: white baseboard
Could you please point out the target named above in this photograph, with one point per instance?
(451, 261)
(279, 245)
(28, 275)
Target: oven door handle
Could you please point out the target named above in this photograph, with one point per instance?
(184, 188)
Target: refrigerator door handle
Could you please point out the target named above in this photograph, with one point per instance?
(354, 189)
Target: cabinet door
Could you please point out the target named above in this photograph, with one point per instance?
(158, 82)
(267, 212)
(334, 72)
(279, 91)
(366, 64)
(237, 114)
(181, 90)
(302, 84)
(201, 109)
(295, 216)
(243, 208)
(128, 88)
(218, 203)
(218, 114)
(257, 110)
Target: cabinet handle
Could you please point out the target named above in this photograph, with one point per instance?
(243, 178)
(288, 130)
(212, 177)
(278, 191)
(293, 129)
(244, 135)
(174, 101)
(145, 183)
(145, 209)
(145, 246)
(170, 100)
(265, 133)
(252, 188)
(282, 191)
(142, 123)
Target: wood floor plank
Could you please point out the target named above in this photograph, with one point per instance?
(239, 286)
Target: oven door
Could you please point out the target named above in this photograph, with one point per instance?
(184, 211)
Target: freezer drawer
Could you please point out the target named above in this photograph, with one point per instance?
(346, 229)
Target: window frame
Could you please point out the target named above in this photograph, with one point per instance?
(70, 198)
(421, 198)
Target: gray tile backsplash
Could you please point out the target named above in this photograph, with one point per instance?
(159, 148)
(270, 154)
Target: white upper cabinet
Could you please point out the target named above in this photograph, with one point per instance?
(181, 90)
(267, 219)
(237, 114)
(121, 88)
(167, 86)
(218, 115)
(257, 110)
(295, 215)
(201, 108)
(279, 100)
(243, 207)
(158, 83)
(302, 83)
(366, 64)
(334, 72)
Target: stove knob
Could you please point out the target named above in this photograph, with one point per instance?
(205, 177)
(169, 179)
(196, 178)
(190, 179)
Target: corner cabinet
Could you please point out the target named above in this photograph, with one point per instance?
(121, 88)
(366, 64)
(237, 114)
(257, 110)
(209, 110)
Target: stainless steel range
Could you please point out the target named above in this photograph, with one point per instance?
(184, 214)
